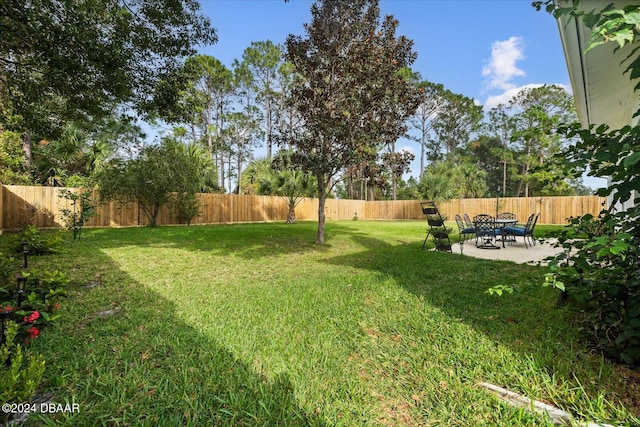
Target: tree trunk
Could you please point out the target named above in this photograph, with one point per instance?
(504, 177)
(394, 178)
(322, 196)
(239, 169)
(291, 216)
(229, 162)
(269, 121)
(393, 188)
(520, 183)
(26, 147)
(423, 152)
(194, 138)
(154, 217)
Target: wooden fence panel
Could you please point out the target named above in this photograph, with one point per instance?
(21, 205)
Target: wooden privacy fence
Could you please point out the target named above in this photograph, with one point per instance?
(41, 206)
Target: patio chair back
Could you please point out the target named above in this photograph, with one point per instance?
(485, 225)
(467, 221)
(529, 225)
(463, 230)
(533, 225)
(507, 215)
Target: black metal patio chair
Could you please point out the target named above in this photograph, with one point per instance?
(526, 231)
(467, 221)
(464, 231)
(507, 216)
(485, 226)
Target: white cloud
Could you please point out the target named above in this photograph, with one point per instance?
(408, 149)
(495, 100)
(503, 98)
(502, 68)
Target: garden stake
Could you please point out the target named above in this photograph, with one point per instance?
(22, 284)
(25, 252)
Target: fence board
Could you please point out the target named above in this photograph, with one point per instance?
(21, 205)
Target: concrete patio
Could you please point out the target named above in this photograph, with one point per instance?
(515, 252)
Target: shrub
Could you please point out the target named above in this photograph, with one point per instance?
(602, 276)
(19, 376)
(82, 209)
(38, 242)
(186, 206)
(43, 291)
(8, 267)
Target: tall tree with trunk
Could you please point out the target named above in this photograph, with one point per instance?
(352, 93)
(242, 134)
(486, 153)
(501, 126)
(398, 164)
(423, 119)
(289, 122)
(213, 83)
(537, 113)
(263, 59)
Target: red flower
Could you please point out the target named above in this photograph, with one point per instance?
(8, 308)
(33, 332)
(32, 317)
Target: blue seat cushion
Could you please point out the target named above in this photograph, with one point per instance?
(468, 231)
(516, 231)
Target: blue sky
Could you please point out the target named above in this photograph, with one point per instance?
(483, 49)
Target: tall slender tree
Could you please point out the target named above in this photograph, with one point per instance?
(352, 92)
(263, 60)
(501, 126)
(213, 84)
(537, 113)
(425, 116)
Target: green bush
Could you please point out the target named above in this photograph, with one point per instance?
(20, 376)
(38, 242)
(601, 275)
(43, 291)
(82, 209)
(186, 206)
(8, 267)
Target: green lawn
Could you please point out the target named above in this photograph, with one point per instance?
(255, 325)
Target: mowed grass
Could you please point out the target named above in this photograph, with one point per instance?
(255, 325)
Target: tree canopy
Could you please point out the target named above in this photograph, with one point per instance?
(65, 60)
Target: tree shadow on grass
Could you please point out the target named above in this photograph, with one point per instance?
(521, 322)
(122, 353)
